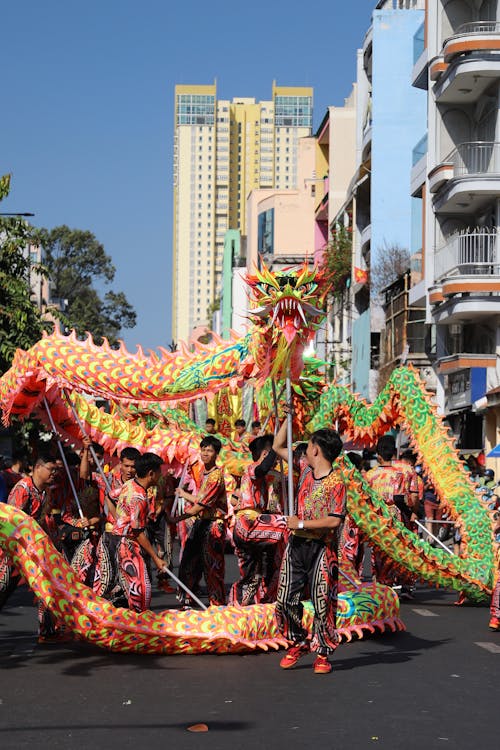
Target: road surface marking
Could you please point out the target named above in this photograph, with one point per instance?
(425, 613)
(493, 647)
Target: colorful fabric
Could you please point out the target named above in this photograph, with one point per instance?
(388, 481)
(27, 497)
(212, 494)
(259, 544)
(318, 498)
(412, 480)
(254, 490)
(215, 630)
(495, 599)
(203, 555)
(131, 510)
(309, 562)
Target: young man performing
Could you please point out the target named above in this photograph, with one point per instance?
(32, 495)
(256, 558)
(391, 484)
(204, 548)
(127, 540)
(311, 556)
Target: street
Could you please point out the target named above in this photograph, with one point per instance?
(432, 686)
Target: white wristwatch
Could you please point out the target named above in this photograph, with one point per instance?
(300, 525)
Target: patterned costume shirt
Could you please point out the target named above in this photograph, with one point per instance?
(131, 510)
(387, 481)
(412, 480)
(25, 496)
(254, 491)
(212, 494)
(318, 498)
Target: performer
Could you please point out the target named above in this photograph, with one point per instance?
(31, 495)
(210, 426)
(204, 547)
(311, 556)
(128, 538)
(256, 559)
(390, 484)
(123, 472)
(241, 437)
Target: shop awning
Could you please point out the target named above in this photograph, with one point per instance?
(495, 453)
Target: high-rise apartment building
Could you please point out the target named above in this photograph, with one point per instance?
(457, 62)
(222, 151)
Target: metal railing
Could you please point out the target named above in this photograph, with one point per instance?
(469, 253)
(478, 27)
(475, 157)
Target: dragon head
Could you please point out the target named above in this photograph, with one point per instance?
(287, 306)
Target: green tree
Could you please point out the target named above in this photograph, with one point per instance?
(75, 260)
(337, 259)
(21, 323)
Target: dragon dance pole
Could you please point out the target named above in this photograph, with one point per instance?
(181, 482)
(436, 539)
(289, 439)
(276, 428)
(63, 457)
(183, 586)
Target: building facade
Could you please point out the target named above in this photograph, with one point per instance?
(222, 151)
(391, 117)
(458, 179)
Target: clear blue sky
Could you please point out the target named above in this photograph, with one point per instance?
(87, 110)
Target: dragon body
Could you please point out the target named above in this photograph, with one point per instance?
(371, 608)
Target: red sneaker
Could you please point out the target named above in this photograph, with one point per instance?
(322, 665)
(294, 653)
(494, 624)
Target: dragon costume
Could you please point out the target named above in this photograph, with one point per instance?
(287, 309)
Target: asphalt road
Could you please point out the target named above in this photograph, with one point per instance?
(434, 686)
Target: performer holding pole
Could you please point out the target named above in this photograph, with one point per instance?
(311, 556)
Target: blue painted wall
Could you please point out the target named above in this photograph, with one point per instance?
(399, 118)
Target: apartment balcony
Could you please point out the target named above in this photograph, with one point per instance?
(468, 64)
(468, 177)
(464, 361)
(467, 277)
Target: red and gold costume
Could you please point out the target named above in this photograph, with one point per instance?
(388, 482)
(26, 496)
(311, 558)
(204, 547)
(258, 537)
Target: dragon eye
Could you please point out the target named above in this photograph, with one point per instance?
(284, 281)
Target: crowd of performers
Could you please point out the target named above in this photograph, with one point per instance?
(117, 528)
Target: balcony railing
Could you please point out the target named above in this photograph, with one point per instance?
(478, 27)
(475, 157)
(469, 254)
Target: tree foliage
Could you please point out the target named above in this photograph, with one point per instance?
(392, 262)
(75, 260)
(337, 258)
(21, 323)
